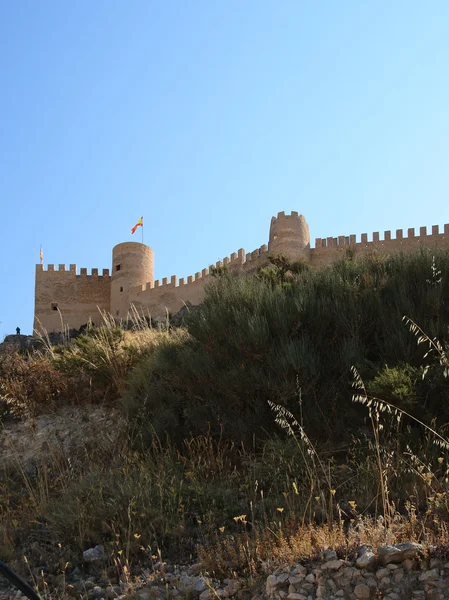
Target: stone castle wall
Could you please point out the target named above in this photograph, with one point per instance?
(328, 250)
(75, 299)
(67, 296)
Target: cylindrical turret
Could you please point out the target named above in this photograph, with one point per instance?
(132, 265)
(290, 236)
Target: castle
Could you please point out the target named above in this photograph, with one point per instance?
(72, 298)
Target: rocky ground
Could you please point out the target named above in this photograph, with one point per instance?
(401, 572)
(68, 430)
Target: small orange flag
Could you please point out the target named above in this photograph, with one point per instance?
(41, 256)
(138, 224)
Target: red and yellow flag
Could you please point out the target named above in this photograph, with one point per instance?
(41, 256)
(138, 224)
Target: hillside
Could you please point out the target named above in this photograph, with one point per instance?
(293, 411)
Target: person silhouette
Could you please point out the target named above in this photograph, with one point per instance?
(18, 330)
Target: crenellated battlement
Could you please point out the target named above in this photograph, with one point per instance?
(256, 254)
(398, 238)
(329, 249)
(281, 215)
(77, 294)
(72, 270)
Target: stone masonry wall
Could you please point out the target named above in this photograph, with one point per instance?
(328, 250)
(74, 298)
(157, 298)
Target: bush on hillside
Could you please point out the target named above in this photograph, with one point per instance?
(30, 384)
(255, 339)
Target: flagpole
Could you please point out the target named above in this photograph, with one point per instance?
(142, 231)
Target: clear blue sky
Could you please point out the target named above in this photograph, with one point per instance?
(208, 117)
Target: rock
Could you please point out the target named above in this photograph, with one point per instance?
(272, 582)
(366, 560)
(408, 564)
(432, 575)
(362, 591)
(329, 555)
(111, 592)
(196, 568)
(94, 554)
(399, 552)
(296, 597)
(398, 576)
(185, 583)
(199, 584)
(334, 565)
(381, 573)
(232, 587)
(310, 578)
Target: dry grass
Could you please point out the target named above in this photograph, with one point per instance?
(239, 509)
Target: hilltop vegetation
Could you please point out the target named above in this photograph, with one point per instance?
(240, 428)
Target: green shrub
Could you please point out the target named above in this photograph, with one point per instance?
(253, 338)
(397, 385)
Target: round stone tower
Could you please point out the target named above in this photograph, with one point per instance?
(290, 236)
(132, 265)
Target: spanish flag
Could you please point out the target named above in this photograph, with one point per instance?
(41, 256)
(138, 224)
